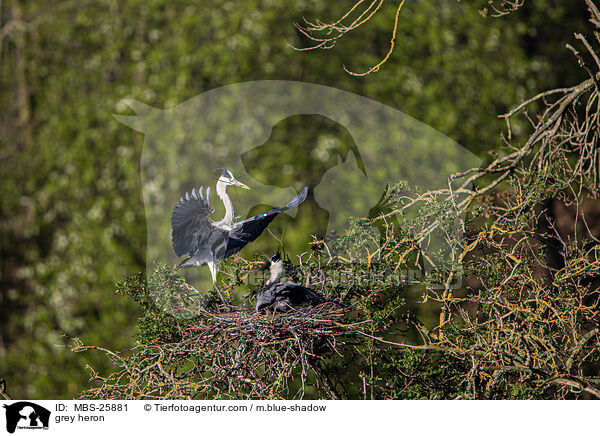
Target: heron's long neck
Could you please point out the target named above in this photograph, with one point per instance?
(222, 193)
(276, 271)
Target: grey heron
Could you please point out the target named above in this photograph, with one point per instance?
(206, 241)
(280, 295)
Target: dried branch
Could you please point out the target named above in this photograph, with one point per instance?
(3, 392)
(325, 35)
(499, 8)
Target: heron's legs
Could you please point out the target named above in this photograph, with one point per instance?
(212, 265)
(219, 292)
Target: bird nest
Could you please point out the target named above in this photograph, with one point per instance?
(233, 353)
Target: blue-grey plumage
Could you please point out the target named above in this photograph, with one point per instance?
(206, 241)
(280, 296)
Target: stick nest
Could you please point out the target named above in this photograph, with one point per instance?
(232, 353)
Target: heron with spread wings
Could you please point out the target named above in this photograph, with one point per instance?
(206, 241)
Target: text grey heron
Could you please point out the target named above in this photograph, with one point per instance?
(206, 241)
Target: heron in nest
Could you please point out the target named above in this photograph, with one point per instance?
(279, 295)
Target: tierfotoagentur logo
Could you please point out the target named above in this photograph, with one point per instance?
(377, 158)
(25, 415)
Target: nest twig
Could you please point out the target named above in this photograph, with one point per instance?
(234, 354)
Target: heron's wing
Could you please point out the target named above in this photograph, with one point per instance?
(190, 219)
(248, 230)
(288, 292)
(298, 294)
(271, 294)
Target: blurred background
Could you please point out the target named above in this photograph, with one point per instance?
(72, 220)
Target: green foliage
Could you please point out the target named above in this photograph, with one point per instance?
(71, 213)
(336, 351)
(155, 325)
(424, 375)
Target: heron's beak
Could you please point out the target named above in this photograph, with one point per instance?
(240, 184)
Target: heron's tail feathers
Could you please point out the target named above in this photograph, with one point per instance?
(314, 298)
(190, 262)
